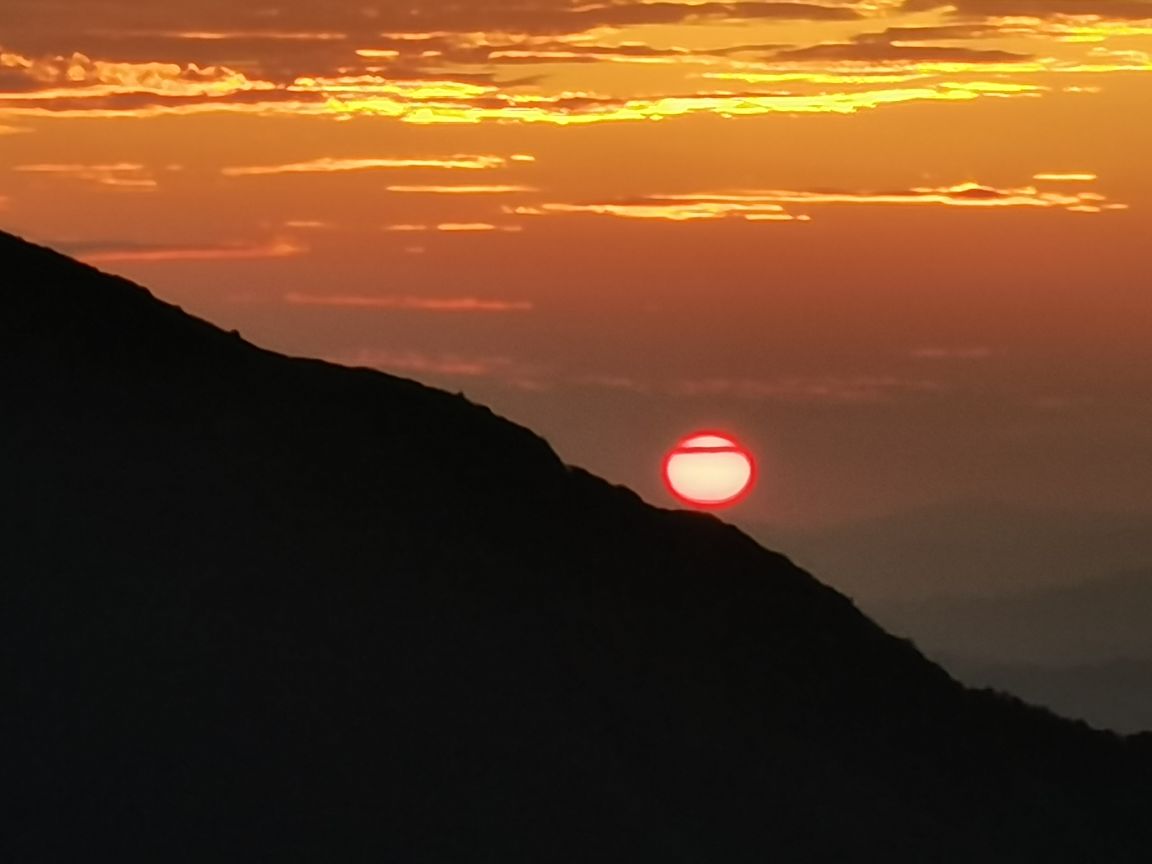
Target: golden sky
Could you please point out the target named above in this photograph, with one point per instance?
(899, 246)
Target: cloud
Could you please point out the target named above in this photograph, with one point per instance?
(329, 165)
(771, 205)
(504, 370)
(529, 51)
(1114, 9)
(842, 390)
(408, 303)
(463, 190)
(104, 252)
(880, 51)
(834, 390)
(213, 50)
(477, 227)
(973, 352)
(307, 21)
(960, 195)
(309, 224)
(671, 209)
(831, 390)
(906, 53)
(122, 175)
(79, 76)
(1065, 178)
(418, 362)
(581, 108)
(444, 62)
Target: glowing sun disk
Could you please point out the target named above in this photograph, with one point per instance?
(707, 470)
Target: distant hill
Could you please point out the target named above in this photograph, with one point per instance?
(973, 548)
(1096, 621)
(267, 609)
(1114, 694)
(1083, 650)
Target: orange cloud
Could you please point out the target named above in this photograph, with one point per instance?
(418, 362)
(960, 195)
(672, 209)
(579, 108)
(234, 35)
(408, 303)
(471, 227)
(308, 224)
(769, 205)
(463, 190)
(121, 175)
(439, 63)
(103, 253)
(328, 165)
(1109, 9)
(79, 76)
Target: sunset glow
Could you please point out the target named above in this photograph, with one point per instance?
(902, 240)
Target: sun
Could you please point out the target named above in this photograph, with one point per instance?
(709, 470)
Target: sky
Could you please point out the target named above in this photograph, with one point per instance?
(898, 247)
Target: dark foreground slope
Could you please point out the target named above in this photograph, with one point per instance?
(264, 609)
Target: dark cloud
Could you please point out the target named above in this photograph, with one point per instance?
(281, 40)
(906, 44)
(886, 52)
(1115, 9)
(59, 26)
(941, 33)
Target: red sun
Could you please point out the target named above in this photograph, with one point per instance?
(709, 470)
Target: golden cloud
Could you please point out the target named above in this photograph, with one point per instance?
(463, 190)
(329, 165)
(474, 227)
(769, 205)
(671, 209)
(408, 303)
(104, 253)
(455, 228)
(436, 68)
(78, 76)
(575, 108)
(121, 175)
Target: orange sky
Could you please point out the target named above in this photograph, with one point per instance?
(900, 247)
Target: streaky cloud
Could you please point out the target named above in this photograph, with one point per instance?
(330, 165)
(407, 303)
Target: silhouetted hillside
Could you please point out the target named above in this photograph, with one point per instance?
(266, 609)
(1112, 694)
(1083, 650)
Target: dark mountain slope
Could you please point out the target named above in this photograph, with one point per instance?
(265, 609)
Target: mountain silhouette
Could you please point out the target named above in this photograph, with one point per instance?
(258, 608)
(1110, 694)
